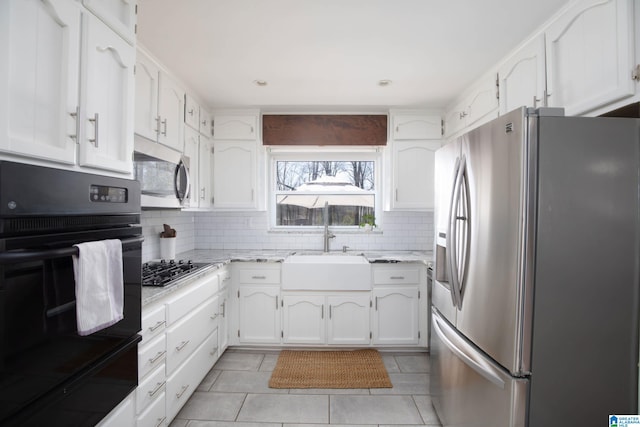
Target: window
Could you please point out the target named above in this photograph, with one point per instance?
(308, 185)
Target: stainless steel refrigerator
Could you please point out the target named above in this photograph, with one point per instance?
(536, 292)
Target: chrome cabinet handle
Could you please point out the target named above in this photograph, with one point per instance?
(159, 387)
(224, 307)
(161, 421)
(396, 277)
(164, 123)
(204, 123)
(158, 357)
(322, 312)
(95, 120)
(213, 352)
(329, 311)
(182, 390)
(76, 116)
(191, 112)
(213, 317)
(156, 326)
(158, 124)
(202, 193)
(182, 345)
(259, 277)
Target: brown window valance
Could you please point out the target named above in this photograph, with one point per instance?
(292, 129)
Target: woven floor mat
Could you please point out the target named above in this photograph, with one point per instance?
(330, 369)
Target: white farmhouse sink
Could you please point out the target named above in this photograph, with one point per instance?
(326, 273)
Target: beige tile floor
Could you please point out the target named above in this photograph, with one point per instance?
(235, 393)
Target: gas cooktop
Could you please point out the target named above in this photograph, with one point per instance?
(162, 273)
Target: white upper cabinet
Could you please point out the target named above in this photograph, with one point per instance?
(416, 137)
(234, 175)
(478, 105)
(590, 55)
(160, 104)
(191, 112)
(120, 15)
(522, 77)
(108, 87)
(39, 44)
(147, 122)
(235, 127)
(409, 126)
(58, 104)
(170, 112)
(205, 165)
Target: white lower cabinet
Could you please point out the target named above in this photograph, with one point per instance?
(303, 319)
(122, 415)
(183, 382)
(310, 318)
(179, 346)
(155, 414)
(395, 315)
(259, 314)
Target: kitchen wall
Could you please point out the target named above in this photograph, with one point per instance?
(249, 230)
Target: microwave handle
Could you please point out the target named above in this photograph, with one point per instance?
(182, 193)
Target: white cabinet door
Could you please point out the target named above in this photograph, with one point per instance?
(413, 174)
(590, 55)
(120, 15)
(192, 151)
(39, 78)
(395, 315)
(205, 125)
(235, 127)
(482, 101)
(522, 78)
(147, 122)
(191, 113)
(349, 319)
(259, 314)
(234, 182)
(205, 180)
(303, 319)
(107, 96)
(171, 112)
(416, 126)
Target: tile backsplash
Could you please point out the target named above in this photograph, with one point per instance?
(250, 230)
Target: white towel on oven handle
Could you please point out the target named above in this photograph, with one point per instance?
(99, 285)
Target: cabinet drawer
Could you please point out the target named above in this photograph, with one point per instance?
(390, 276)
(183, 382)
(153, 322)
(190, 297)
(253, 276)
(188, 333)
(150, 388)
(151, 355)
(155, 415)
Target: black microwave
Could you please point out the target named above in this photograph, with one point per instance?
(163, 174)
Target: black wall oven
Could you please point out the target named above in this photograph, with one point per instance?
(50, 375)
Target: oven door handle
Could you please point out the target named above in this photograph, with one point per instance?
(12, 257)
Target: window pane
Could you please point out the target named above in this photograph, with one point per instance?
(303, 188)
(293, 174)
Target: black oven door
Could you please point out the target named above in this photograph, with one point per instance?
(41, 353)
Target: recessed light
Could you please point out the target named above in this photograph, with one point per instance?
(384, 82)
(260, 82)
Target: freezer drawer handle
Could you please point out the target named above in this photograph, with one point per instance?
(476, 363)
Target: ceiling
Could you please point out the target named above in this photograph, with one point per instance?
(329, 55)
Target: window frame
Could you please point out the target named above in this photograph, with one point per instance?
(332, 153)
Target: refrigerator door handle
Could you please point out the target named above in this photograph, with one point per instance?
(465, 351)
(452, 231)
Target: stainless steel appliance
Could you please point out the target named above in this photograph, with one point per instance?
(50, 375)
(163, 175)
(537, 290)
(162, 273)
